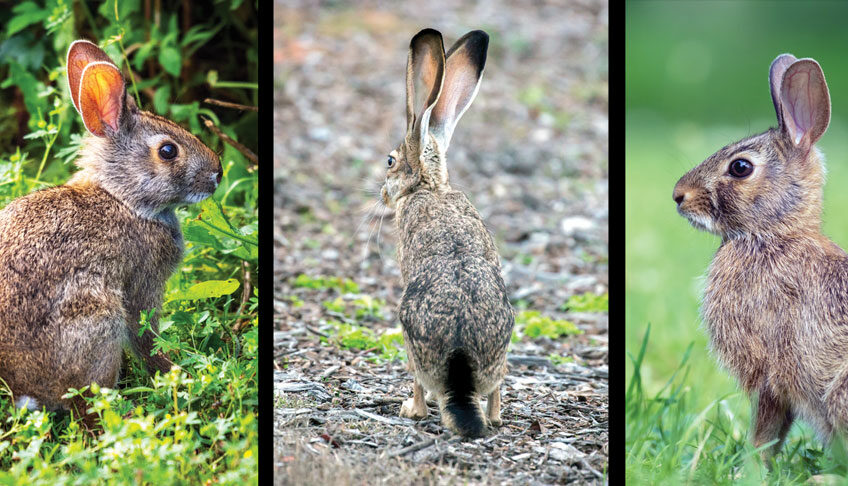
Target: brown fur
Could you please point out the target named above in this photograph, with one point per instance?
(454, 308)
(776, 302)
(80, 262)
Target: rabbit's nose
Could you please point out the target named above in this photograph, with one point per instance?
(679, 195)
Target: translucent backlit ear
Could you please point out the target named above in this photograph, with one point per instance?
(81, 54)
(101, 97)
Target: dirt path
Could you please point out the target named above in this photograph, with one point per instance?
(531, 154)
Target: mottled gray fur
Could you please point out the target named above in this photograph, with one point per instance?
(455, 312)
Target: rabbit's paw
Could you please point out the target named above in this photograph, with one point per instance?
(413, 409)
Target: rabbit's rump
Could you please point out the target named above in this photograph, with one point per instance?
(455, 297)
(75, 264)
(457, 305)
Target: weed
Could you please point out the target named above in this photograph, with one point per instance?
(533, 324)
(587, 302)
(344, 285)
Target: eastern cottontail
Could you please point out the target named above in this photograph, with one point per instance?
(81, 261)
(456, 316)
(776, 302)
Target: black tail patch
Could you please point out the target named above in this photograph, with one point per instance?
(461, 405)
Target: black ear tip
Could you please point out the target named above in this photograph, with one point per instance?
(480, 34)
(424, 33)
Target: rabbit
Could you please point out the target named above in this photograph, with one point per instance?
(455, 312)
(776, 299)
(80, 262)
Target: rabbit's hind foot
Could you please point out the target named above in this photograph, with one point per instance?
(415, 407)
(493, 408)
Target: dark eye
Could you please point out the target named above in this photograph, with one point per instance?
(168, 151)
(391, 161)
(740, 168)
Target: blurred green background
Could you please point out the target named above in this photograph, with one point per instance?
(696, 80)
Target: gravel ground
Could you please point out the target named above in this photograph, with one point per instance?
(532, 155)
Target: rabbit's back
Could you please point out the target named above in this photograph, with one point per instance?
(455, 297)
(66, 238)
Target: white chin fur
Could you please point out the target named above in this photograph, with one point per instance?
(27, 402)
(701, 222)
(197, 197)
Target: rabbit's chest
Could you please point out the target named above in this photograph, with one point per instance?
(751, 314)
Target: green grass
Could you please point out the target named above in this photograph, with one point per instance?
(197, 424)
(669, 439)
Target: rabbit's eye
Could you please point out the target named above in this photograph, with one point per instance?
(391, 161)
(168, 151)
(740, 168)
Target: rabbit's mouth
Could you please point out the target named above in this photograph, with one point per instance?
(699, 221)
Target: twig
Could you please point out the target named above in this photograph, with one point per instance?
(422, 445)
(590, 468)
(414, 447)
(245, 296)
(227, 104)
(380, 401)
(315, 331)
(329, 371)
(226, 138)
(378, 418)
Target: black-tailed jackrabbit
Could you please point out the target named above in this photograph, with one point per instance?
(455, 313)
(776, 302)
(80, 262)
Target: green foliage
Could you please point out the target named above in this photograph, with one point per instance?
(668, 438)
(196, 424)
(587, 302)
(344, 285)
(558, 360)
(359, 308)
(388, 344)
(533, 324)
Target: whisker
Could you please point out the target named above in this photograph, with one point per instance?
(379, 234)
(368, 241)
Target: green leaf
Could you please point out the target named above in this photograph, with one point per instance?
(27, 13)
(160, 99)
(212, 215)
(142, 54)
(206, 290)
(169, 58)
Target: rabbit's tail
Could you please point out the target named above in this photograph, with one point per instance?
(462, 409)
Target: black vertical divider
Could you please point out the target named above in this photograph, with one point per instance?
(266, 245)
(617, 42)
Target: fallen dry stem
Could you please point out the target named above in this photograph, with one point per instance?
(226, 138)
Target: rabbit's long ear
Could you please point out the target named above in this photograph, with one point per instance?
(81, 53)
(101, 97)
(463, 72)
(804, 112)
(778, 68)
(425, 72)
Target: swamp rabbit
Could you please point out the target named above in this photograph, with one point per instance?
(81, 261)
